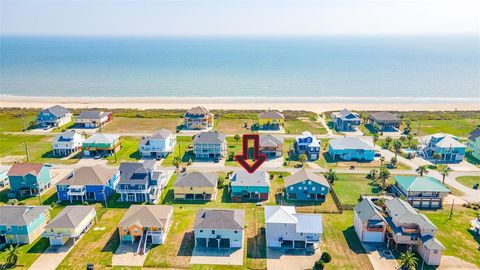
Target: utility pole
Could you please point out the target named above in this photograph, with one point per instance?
(451, 209)
(26, 151)
(418, 130)
(23, 122)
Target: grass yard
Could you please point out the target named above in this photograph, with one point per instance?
(233, 147)
(327, 162)
(471, 159)
(129, 151)
(64, 127)
(349, 187)
(232, 126)
(28, 253)
(297, 126)
(141, 125)
(180, 151)
(457, 127)
(454, 233)
(468, 181)
(12, 122)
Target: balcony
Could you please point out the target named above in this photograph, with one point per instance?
(76, 191)
(136, 191)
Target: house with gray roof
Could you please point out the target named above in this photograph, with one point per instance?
(306, 186)
(420, 191)
(67, 142)
(55, 116)
(474, 143)
(211, 145)
(22, 224)
(271, 120)
(249, 186)
(198, 118)
(93, 119)
(385, 120)
(345, 120)
(351, 148)
(449, 147)
(219, 228)
(287, 229)
(369, 222)
(195, 186)
(271, 146)
(70, 224)
(160, 144)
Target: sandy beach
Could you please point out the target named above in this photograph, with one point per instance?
(311, 104)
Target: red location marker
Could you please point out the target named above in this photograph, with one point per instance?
(258, 158)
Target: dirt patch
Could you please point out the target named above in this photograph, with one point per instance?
(454, 263)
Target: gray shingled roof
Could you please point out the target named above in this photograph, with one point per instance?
(146, 216)
(133, 173)
(474, 134)
(303, 175)
(432, 243)
(257, 179)
(211, 219)
(91, 115)
(57, 110)
(267, 140)
(161, 134)
(71, 216)
(209, 137)
(346, 114)
(366, 210)
(407, 214)
(20, 215)
(95, 176)
(384, 117)
(350, 143)
(196, 179)
(271, 114)
(198, 110)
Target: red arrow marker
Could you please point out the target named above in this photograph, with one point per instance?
(258, 158)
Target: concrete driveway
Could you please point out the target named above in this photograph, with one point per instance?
(220, 256)
(279, 259)
(125, 255)
(379, 259)
(52, 257)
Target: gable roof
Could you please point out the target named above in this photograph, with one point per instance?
(384, 116)
(267, 140)
(303, 175)
(366, 210)
(96, 176)
(448, 142)
(345, 114)
(309, 223)
(350, 143)
(133, 173)
(161, 134)
(198, 110)
(420, 183)
(432, 243)
(71, 216)
(271, 114)
(146, 216)
(209, 137)
(57, 110)
(22, 169)
(407, 214)
(257, 179)
(66, 136)
(474, 134)
(211, 219)
(280, 214)
(20, 215)
(196, 179)
(92, 114)
(102, 138)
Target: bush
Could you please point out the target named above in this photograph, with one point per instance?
(326, 257)
(12, 202)
(319, 265)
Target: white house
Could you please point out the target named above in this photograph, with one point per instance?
(93, 119)
(67, 142)
(368, 222)
(160, 144)
(287, 229)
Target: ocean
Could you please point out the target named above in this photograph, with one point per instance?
(368, 67)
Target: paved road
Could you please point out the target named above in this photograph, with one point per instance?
(52, 257)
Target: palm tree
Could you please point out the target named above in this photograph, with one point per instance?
(375, 138)
(409, 139)
(384, 175)
(388, 141)
(12, 254)
(437, 156)
(331, 176)
(302, 158)
(408, 260)
(422, 170)
(397, 146)
(382, 159)
(176, 161)
(444, 172)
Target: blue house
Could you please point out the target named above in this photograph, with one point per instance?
(21, 224)
(28, 179)
(448, 146)
(351, 148)
(345, 120)
(55, 116)
(249, 186)
(90, 184)
(307, 144)
(306, 186)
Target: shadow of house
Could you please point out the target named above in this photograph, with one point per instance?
(113, 243)
(169, 197)
(187, 156)
(49, 154)
(256, 246)
(226, 196)
(353, 241)
(40, 246)
(187, 245)
(135, 155)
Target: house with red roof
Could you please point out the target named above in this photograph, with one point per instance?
(28, 179)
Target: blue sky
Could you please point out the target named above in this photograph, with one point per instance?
(229, 17)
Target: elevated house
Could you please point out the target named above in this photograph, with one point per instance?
(196, 186)
(345, 120)
(307, 144)
(160, 144)
(22, 224)
(449, 147)
(271, 146)
(93, 119)
(209, 145)
(420, 191)
(70, 224)
(306, 186)
(474, 143)
(385, 120)
(351, 148)
(198, 118)
(284, 228)
(146, 224)
(475, 226)
(28, 179)
(101, 144)
(141, 182)
(55, 116)
(219, 228)
(67, 142)
(369, 222)
(249, 186)
(88, 184)
(4, 175)
(271, 120)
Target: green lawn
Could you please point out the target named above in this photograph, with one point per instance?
(12, 122)
(128, 152)
(457, 127)
(180, 150)
(28, 253)
(231, 126)
(297, 126)
(64, 127)
(349, 187)
(235, 148)
(141, 125)
(468, 181)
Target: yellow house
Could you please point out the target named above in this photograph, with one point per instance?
(271, 120)
(195, 186)
(71, 223)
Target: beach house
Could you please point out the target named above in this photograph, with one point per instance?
(28, 179)
(141, 182)
(198, 118)
(195, 186)
(474, 143)
(210, 145)
(147, 224)
(249, 186)
(219, 228)
(284, 228)
(271, 120)
(93, 119)
(160, 144)
(386, 121)
(22, 224)
(70, 224)
(420, 191)
(306, 186)
(55, 116)
(271, 146)
(307, 144)
(67, 142)
(101, 144)
(351, 148)
(345, 120)
(4, 175)
(88, 184)
(449, 148)
(369, 222)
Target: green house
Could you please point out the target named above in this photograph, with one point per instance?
(420, 191)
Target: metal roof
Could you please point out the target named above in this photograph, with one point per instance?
(309, 223)
(209, 137)
(102, 138)
(420, 183)
(57, 110)
(347, 143)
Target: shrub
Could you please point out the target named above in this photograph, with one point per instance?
(319, 265)
(326, 257)
(12, 202)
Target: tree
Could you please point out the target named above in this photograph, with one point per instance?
(382, 159)
(376, 127)
(384, 175)
(409, 139)
(375, 138)
(408, 127)
(408, 260)
(331, 176)
(373, 174)
(403, 139)
(302, 158)
(393, 162)
(220, 182)
(445, 172)
(422, 170)
(237, 138)
(388, 141)
(437, 156)
(397, 146)
(12, 254)
(176, 161)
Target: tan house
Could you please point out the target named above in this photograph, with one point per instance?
(198, 118)
(271, 146)
(196, 186)
(71, 223)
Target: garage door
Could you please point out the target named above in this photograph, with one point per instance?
(225, 243)
(435, 204)
(56, 241)
(372, 237)
(425, 204)
(287, 243)
(299, 244)
(201, 242)
(212, 242)
(416, 203)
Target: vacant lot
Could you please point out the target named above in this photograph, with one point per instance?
(468, 181)
(299, 125)
(141, 125)
(232, 126)
(181, 150)
(457, 127)
(12, 121)
(349, 187)
(128, 153)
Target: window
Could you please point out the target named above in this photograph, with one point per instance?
(313, 188)
(235, 231)
(213, 231)
(304, 188)
(309, 182)
(291, 188)
(201, 231)
(299, 188)
(435, 251)
(301, 234)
